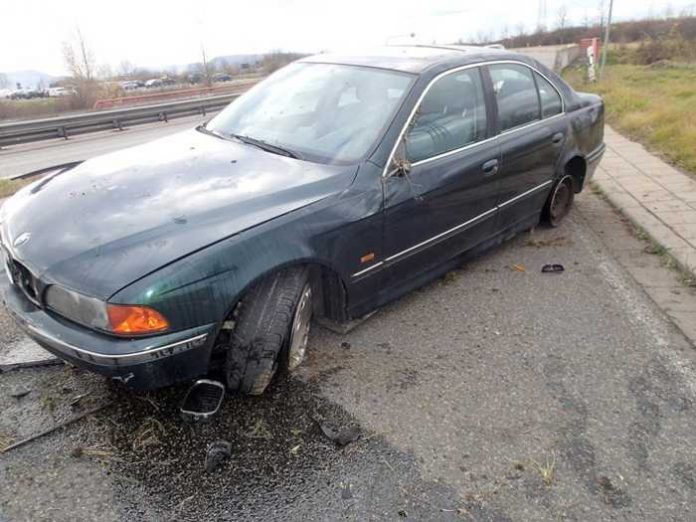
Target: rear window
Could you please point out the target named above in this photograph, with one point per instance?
(550, 99)
(516, 94)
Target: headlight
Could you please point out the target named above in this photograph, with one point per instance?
(91, 312)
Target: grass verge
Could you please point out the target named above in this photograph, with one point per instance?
(655, 105)
(10, 186)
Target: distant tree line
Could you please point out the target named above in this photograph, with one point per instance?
(621, 32)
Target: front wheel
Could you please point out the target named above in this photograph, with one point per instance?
(559, 202)
(271, 330)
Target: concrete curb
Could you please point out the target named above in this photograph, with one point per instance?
(649, 196)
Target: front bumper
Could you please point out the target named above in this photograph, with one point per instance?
(143, 363)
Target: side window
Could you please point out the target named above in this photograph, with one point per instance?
(451, 115)
(516, 94)
(550, 99)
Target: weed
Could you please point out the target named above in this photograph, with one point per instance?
(655, 249)
(149, 433)
(260, 430)
(684, 276)
(5, 442)
(100, 454)
(547, 471)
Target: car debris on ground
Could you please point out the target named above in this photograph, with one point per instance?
(341, 436)
(218, 452)
(552, 269)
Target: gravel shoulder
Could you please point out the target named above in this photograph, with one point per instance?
(494, 393)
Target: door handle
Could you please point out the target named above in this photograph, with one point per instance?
(557, 138)
(490, 167)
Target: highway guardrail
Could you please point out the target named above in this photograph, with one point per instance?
(16, 133)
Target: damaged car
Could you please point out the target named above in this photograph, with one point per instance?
(332, 187)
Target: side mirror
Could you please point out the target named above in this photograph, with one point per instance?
(400, 167)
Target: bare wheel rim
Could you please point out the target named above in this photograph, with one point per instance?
(299, 332)
(560, 203)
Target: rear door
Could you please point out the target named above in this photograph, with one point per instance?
(446, 204)
(531, 134)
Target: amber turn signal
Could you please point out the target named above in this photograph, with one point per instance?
(129, 319)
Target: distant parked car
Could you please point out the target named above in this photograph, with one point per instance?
(333, 187)
(153, 83)
(28, 94)
(195, 78)
(132, 85)
(222, 77)
(57, 92)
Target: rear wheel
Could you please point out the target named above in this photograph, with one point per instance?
(560, 201)
(271, 330)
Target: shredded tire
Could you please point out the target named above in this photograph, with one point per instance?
(262, 329)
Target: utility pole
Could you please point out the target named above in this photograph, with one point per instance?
(606, 40)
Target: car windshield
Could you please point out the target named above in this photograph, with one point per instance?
(319, 112)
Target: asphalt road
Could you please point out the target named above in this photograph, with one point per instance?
(492, 394)
(21, 159)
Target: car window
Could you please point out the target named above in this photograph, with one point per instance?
(550, 99)
(322, 112)
(516, 94)
(451, 115)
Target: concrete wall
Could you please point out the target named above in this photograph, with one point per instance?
(556, 57)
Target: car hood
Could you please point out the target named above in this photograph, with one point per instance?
(115, 218)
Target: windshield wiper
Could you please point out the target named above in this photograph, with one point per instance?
(205, 130)
(264, 145)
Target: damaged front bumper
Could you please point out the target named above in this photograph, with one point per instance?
(143, 363)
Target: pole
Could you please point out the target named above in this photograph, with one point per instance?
(606, 40)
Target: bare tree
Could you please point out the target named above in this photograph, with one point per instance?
(562, 21)
(521, 32)
(79, 57)
(80, 61)
(105, 72)
(205, 67)
(669, 11)
(505, 32)
(126, 70)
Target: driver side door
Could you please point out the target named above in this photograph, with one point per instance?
(447, 203)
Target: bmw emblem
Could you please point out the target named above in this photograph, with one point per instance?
(21, 239)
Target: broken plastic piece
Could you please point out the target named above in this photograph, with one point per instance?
(203, 400)
(341, 437)
(552, 269)
(218, 452)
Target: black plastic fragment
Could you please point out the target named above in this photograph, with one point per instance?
(218, 452)
(552, 269)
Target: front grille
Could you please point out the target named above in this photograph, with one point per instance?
(24, 279)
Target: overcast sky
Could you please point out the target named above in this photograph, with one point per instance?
(154, 33)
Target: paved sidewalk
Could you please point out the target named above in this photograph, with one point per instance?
(652, 194)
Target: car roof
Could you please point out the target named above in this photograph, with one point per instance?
(415, 58)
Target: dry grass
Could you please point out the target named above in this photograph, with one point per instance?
(547, 470)
(9, 187)
(5, 442)
(655, 105)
